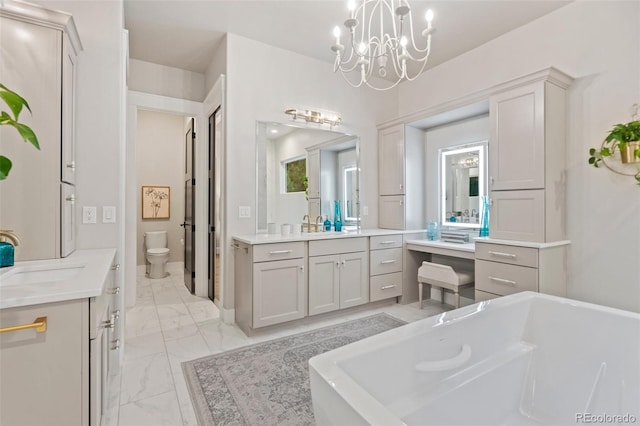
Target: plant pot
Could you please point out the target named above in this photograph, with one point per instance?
(627, 155)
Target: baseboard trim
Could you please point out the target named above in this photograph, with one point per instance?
(228, 315)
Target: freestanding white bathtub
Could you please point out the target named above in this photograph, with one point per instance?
(524, 359)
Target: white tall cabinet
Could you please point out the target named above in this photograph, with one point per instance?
(401, 177)
(38, 49)
(527, 159)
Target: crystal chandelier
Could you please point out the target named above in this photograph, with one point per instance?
(381, 39)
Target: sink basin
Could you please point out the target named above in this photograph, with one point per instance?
(21, 275)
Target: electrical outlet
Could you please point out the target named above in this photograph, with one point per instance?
(365, 210)
(108, 214)
(89, 214)
(244, 212)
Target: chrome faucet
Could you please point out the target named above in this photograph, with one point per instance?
(318, 218)
(6, 234)
(306, 216)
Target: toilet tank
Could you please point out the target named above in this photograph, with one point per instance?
(155, 239)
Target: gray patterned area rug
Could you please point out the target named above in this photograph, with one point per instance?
(268, 383)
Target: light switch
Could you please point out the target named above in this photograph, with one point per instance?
(89, 214)
(108, 214)
(244, 212)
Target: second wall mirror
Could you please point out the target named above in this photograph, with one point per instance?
(463, 182)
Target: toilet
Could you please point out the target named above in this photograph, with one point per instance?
(157, 253)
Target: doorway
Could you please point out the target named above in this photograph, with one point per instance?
(215, 120)
(189, 209)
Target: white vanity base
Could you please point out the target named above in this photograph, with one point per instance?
(527, 358)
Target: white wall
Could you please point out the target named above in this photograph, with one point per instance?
(462, 132)
(218, 65)
(162, 80)
(603, 208)
(160, 162)
(287, 79)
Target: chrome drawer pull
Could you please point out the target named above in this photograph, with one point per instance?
(115, 290)
(502, 281)
(72, 166)
(387, 242)
(116, 313)
(387, 261)
(280, 251)
(387, 287)
(115, 267)
(500, 254)
(111, 323)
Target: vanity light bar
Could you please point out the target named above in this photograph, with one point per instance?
(314, 116)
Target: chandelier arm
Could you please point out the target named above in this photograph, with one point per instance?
(347, 68)
(349, 81)
(380, 89)
(424, 64)
(413, 41)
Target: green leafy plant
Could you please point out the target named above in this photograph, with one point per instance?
(617, 140)
(15, 103)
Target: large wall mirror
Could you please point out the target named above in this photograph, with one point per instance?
(300, 171)
(463, 180)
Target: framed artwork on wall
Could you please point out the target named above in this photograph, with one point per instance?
(156, 202)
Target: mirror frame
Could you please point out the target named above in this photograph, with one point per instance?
(340, 137)
(482, 148)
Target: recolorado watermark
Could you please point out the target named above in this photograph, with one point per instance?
(605, 418)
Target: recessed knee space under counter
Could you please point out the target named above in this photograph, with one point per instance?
(280, 279)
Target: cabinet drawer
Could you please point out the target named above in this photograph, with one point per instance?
(503, 279)
(385, 286)
(385, 261)
(481, 296)
(522, 256)
(337, 245)
(278, 251)
(385, 242)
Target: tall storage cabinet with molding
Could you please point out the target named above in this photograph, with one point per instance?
(527, 159)
(401, 177)
(37, 60)
(526, 250)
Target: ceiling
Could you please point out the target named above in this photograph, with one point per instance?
(186, 33)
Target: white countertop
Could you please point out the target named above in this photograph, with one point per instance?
(523, 243)
(277, 238)
(466, 247)
(88, 282)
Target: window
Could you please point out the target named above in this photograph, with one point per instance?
(295, 174)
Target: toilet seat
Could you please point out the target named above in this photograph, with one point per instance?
(158, 251)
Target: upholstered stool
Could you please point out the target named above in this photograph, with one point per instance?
(443, 276)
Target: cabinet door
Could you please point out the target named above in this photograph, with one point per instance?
(516, 145)
(30, 196)
(279, 292)
(313, 173)
(517, 215)
(68, 220)
(324, 284)
(354, 279)
(44, 375)
(391, 212)
(68, 112)
(391, 161)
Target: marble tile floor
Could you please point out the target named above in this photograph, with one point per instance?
(168, 326)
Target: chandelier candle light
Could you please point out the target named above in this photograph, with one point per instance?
(371, 47)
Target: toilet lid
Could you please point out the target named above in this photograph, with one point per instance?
(158, 251)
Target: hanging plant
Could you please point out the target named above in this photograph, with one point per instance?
(15, 103)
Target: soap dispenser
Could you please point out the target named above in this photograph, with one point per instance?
(7, 248)
(327, 224)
